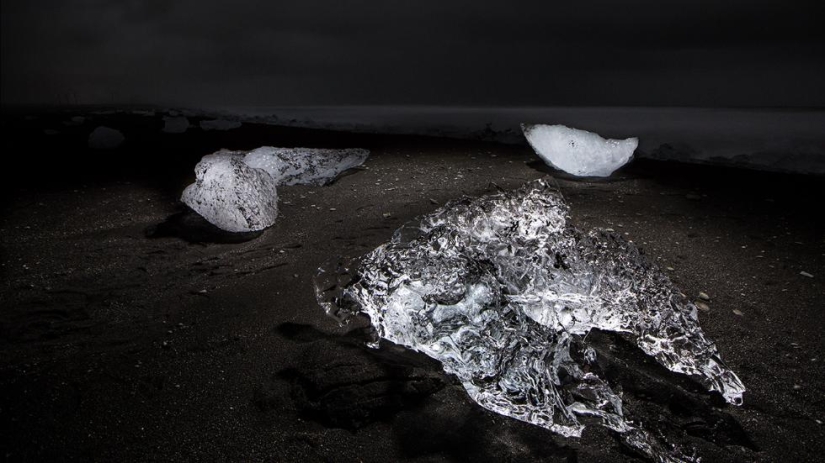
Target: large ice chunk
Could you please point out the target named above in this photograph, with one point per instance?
(305, 166)
(236, 190)
(105, 138)
(503, 292)
(579, 152)
(232, 195)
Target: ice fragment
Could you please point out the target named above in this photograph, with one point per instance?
(305, 166)
(503, 292)
(236, 190)
(232, 195)
(578, 152)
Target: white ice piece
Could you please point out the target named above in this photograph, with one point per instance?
(236, 190)
(579, 152)
(105, 138)
(232, 195)
(219, 124)
(177, 124)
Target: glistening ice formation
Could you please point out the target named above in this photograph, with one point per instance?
(236, 190)
(579, 152)
(503, 291)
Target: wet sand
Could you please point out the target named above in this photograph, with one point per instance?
(119, 347)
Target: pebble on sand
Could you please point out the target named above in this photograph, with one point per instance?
(738, 312)
(704, 296)
(702, 306)
(806, 274)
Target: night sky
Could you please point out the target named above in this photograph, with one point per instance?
(310, 52)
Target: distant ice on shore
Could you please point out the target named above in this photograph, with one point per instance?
(579, 152)
(231, 195)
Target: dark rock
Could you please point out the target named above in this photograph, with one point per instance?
(342, 383)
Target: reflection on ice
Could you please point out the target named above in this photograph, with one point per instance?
(503, 291)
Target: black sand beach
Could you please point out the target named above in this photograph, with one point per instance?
(118, 346)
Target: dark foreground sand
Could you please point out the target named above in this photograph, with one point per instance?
(119, 347)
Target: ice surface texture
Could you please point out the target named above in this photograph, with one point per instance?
(236, 190)
(232, 195)
(579, 152)
(503, 291)
(305, 166)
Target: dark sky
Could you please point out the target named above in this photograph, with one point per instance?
(205, 53)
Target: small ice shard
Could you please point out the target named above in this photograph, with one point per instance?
(579, 152)
(219, 124)
(232, 195)
(503, 291)
(105, 138)
(305, 166)
(177, 124)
